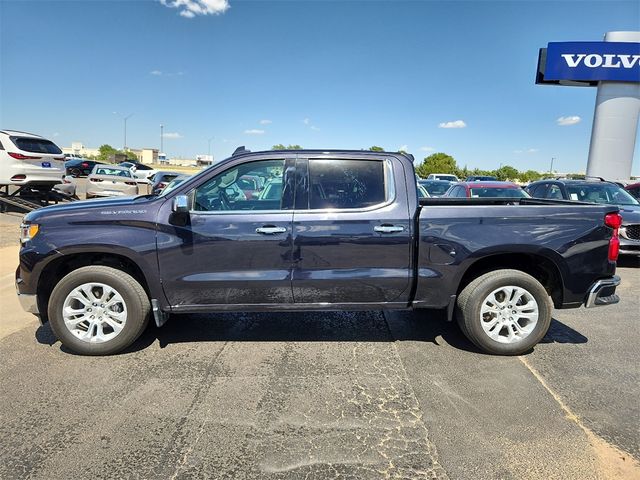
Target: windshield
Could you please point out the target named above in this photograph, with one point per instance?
(173, 184)
(436, 189)
(36, 145)
(498, 192)
(606, 193)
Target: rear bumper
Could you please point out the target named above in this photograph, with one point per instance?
(603, 292)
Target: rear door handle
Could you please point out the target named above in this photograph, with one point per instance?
(270, 230)
(388, 229)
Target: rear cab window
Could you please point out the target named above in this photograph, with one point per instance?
(347, 184)
(36, 145)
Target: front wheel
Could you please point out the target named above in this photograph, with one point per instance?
(98, 310)
(504, 312)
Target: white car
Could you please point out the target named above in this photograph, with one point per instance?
(111, 181)
(443, 176)
(140, 170)
(28, 159)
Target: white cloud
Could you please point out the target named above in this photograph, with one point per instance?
(171, 135)
(254, 131)
(454, 124)
(56, 134)
(160, 73)
(427, 149)
(306, 121)
(526, 150)
(403, 148)
(314, 128)
(566, 121)
(265, 122)
(191, 8)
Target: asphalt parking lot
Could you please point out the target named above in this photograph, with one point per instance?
(321, 395)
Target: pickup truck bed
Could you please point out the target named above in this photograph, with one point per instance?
(343, 230)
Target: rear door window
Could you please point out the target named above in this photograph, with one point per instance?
(36, 145)
(538, 191)
(346, 184)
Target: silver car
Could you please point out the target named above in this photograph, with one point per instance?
(111, 181)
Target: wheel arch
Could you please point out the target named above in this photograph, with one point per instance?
(61, 265)
(540, 266)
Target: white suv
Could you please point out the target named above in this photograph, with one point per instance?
(28, 159)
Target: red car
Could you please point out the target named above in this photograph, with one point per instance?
(634, 189)
(486, 190)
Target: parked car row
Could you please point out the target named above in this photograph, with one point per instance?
(602, 192)
(585, 191)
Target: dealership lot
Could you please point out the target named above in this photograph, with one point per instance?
(317, 395)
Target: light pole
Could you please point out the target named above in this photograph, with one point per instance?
(551, 168)
(161, 139)
(125, 118)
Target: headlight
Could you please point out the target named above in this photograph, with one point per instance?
(28, 231)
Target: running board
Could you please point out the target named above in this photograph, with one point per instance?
(158, 315)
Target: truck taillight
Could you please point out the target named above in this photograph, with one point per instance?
(613, 220)
(19, 156)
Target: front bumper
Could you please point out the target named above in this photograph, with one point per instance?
(603, 292)
(28, 301)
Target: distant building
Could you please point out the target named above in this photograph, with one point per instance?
(204, 160)
(146, 155)
(77, 149)
(183, 162)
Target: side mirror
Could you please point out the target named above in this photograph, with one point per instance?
(180, 204)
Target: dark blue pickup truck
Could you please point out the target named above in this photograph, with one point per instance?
(313, 230)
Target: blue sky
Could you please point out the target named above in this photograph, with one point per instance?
(322, 74)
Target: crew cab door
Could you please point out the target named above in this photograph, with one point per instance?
(352, 232)
(236, 248)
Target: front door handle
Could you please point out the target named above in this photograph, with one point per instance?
(388, 229)
(270, 230)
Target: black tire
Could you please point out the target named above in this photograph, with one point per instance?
(75, 172)
(134, 296)
(470, 301)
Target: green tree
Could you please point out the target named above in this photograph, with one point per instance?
(280, 146)
(375, 148)
(106, 152)
(507, 172)
(437, 163)
(530, 176)
(131, 156)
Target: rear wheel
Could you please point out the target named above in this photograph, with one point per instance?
(98, 310)
(504, 312)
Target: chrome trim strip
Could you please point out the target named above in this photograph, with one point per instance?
(597, 286)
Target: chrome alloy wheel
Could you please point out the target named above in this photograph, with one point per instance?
(94, 312)
(509, 314)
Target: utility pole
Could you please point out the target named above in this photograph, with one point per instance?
(161, 139)
(551, 168)
(125, 118)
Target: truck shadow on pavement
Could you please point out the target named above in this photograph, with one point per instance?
(629, 261)
(425, 326)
